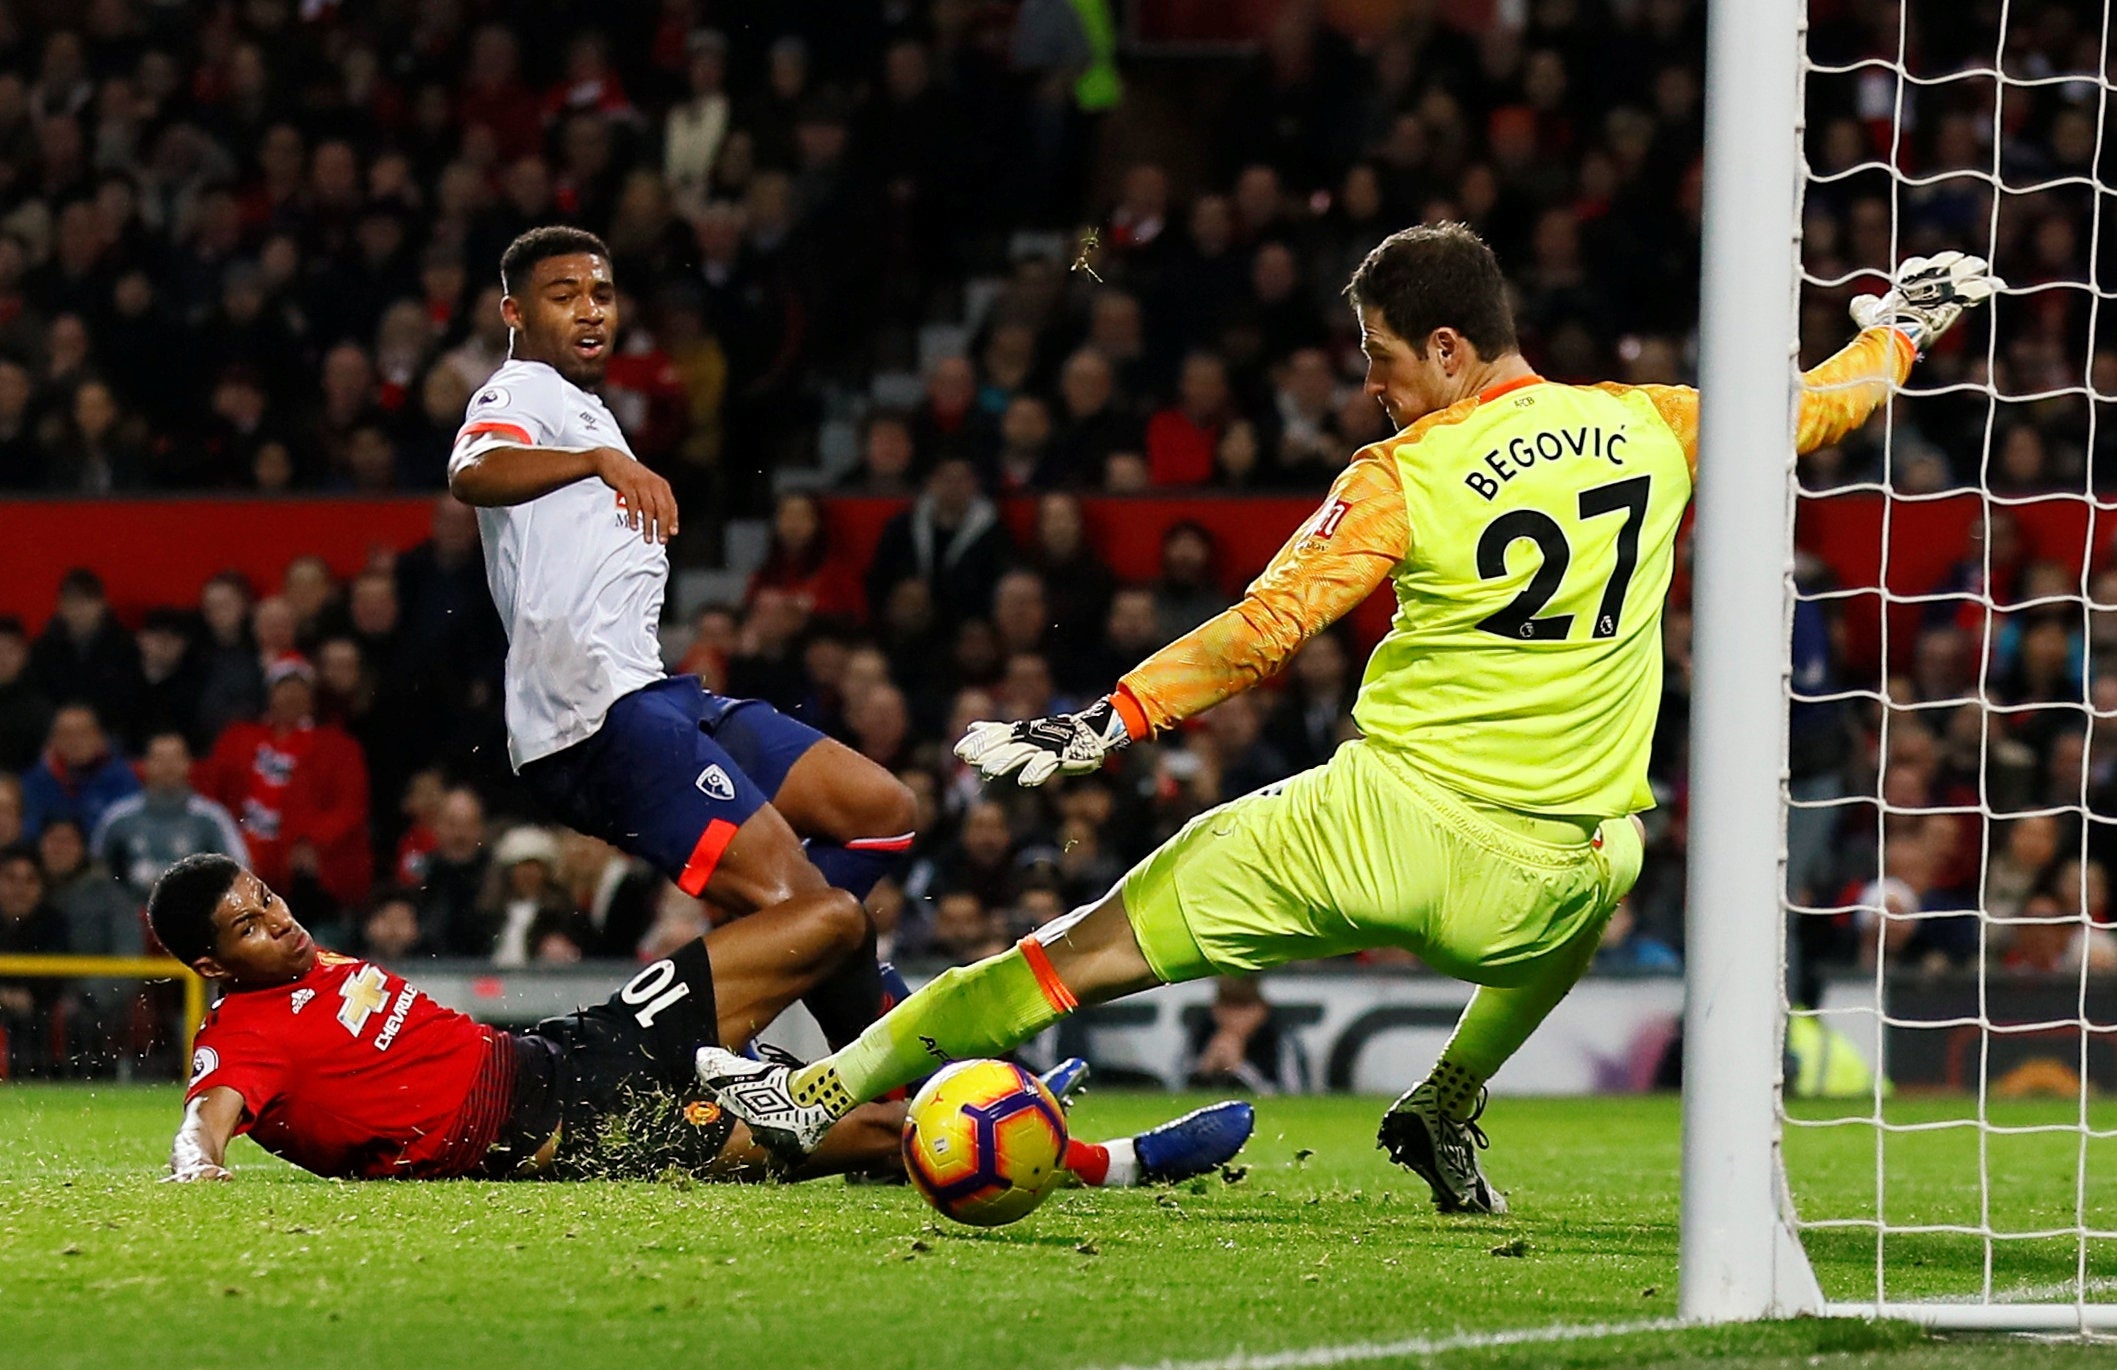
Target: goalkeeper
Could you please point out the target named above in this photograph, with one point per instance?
(1483, 821)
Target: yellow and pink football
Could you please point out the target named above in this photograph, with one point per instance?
(985, 1141)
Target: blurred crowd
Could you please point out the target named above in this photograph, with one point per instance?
(1986, 730)
(2019, 400)
(252, 246)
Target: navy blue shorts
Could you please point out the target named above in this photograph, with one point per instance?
(671, 774)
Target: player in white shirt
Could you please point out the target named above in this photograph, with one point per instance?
(716, 793)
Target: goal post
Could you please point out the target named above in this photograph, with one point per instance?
(1747, 1237)
(1740, 1256)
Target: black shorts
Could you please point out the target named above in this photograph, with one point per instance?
(618, 1083)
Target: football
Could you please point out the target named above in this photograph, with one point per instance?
(984, 1142)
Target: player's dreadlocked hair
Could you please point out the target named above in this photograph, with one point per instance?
(552, 240)
(1437, 276)
(181, 907)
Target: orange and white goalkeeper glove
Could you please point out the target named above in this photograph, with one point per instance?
(1927, 296)
(1036, 749)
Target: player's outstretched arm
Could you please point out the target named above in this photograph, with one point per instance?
(502, 475)
(201, 1147)
(1925, 299)
(1336, 559)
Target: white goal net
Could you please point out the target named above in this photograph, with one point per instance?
(1946, 1139)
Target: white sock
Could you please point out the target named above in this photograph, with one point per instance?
(1124, 1166)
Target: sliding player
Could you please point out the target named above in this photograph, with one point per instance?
(345, 1070)
(715, 793)
(1483, 821)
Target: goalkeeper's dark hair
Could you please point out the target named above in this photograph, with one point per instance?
(552, 240)
(1437, 276)
(181, 907)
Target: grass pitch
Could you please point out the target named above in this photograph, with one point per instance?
(1320, 1244)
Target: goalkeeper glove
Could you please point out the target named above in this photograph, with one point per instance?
(1927, 296)
(1039, 748)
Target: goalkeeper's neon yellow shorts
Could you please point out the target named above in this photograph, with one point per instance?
(1363, 852)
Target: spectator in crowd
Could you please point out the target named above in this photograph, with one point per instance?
(950, 425)
(950, 539)
(2028, 849)
(455, 878)
(389, 928)
(1182, 438)
(1077, 585)
(880, 722)
(25, 710)
(965, 929)
(887, 457)
(799, 562)
(1186, 595)
(299, 791)
(1242, 758)
(102, 919)
(1093, 421)
(145, 834)
(1241, 1042)
(527, 907)
(170, 683)
(1628, 948)
(231, 677)
(451, 643)
(84, 654)
(79, 776)
(616, 892)
(10, 810)
(2063, 922)
(28, 925)
(419, 807)
(1305, 404)
(1309, 720)
(981, 859)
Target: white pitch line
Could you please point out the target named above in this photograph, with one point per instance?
(2051, 1293)
(1352, 1353)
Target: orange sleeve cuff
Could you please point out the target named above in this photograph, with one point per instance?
(1135, 718)
(1047, 977)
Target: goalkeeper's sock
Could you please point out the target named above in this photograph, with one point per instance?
(961, 1014)
(1497, 1022)
(1455, 1088)
(1103, 1164)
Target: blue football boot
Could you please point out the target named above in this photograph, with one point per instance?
(1200, 1141)
(1067, 1080)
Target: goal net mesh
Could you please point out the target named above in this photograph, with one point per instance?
(1951, 800)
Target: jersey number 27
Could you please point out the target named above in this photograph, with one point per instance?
(1519, 619)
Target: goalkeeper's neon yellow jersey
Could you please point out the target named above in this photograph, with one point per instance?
(1529, 534)
(1523, 665)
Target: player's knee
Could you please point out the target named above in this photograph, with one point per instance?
(870, 802)
(844, 923)
(892, 807)
(765, 866)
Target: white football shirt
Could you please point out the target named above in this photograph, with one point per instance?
(579, 592)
